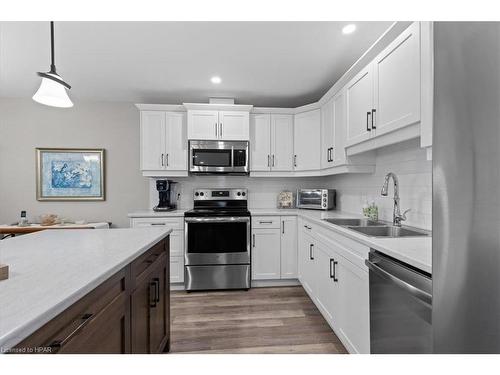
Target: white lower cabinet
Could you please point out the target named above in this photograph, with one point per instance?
(338, 287)
(176, 241)
(266, 254)
(274, 247)
(288, 247)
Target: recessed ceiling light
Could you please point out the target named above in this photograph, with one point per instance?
(216, 80)
(348, 29)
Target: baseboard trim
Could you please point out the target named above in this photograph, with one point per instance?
(270, 283)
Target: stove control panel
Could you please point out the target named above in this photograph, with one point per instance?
(220, 194)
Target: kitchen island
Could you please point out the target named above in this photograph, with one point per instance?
(74, 291)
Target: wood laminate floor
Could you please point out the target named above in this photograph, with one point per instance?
(261, 320)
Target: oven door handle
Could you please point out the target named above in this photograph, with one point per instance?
(410, 289)
(243, 219)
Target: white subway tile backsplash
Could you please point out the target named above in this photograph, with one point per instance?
(406, 159)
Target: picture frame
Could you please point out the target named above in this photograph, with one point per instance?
(70, 174)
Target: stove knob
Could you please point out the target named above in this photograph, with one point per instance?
(196, 194)
(243, 193)
(238, 193)
(202, 194)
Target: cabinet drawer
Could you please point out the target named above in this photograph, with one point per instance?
(147, 261)
(263, 222)
(177, 243)
(176, 223)
(177, 269)
(97, 322)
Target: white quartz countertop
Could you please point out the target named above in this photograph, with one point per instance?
(151, 213)
(416, 251)
(51, 270)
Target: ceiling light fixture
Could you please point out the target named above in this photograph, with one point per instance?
(216, 80)
(348, 29)
(53, 90)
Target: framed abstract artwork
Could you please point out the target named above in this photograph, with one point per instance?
(69, 174)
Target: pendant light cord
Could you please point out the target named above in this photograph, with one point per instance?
(53, 62)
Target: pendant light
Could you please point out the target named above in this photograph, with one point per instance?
(53, 90)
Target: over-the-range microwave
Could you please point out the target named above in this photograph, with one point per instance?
(316, 199)
(228, 157)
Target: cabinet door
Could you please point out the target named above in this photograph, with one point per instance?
(234, 125)
(266, 254)
(339, 120)
(289, 247)
(327, 134)
(307, 138)
(327, 293)
(306, 262)
(355, 313)
(282, 142)
(152, 140)
(359, 104)
(160, 310)
(140, 302)
(203, 124)
(260, 143)
(176, 269)
(397, 82)
(176, 141)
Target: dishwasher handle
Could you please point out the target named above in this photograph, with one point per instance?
(415, 292)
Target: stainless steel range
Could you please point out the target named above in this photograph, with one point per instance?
(217, 240)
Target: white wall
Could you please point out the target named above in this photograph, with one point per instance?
(408, 161)
(25, 125)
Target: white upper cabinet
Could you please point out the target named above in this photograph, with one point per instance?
(271, 142)
(203, 124)
(339, 120)
(218, 125)
(385, 95)
(397, 82)
(307, 141)
(152, 140)
(234, 125)
(176, 141)
(260, 145)
(327, 134)
(281, 142)
(359, 106)
(163, 141)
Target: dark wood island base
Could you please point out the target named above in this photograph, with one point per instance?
(128, 313)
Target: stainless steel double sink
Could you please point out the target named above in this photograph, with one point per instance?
(377, 228)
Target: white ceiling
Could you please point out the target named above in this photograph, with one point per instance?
(282, 64)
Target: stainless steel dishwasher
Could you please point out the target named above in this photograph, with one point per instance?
(400, 306)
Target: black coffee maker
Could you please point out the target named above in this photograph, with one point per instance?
(167, 191)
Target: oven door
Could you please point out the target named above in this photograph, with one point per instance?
(310, 199)
(217, 240)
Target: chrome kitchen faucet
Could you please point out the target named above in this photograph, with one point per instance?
(397, 217)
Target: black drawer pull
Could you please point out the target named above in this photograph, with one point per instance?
(57, 345)
(153, 292)
(368, 114)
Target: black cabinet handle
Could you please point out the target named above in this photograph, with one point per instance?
(273, 160)
(153, 292)
(311, 255)
(253, 240)
(368, 114)
(373, 119)
(157, 289)
(283, 227)
(331, 268)
(294, 160)
(268, 160)
(56, 345)
(335, 271)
